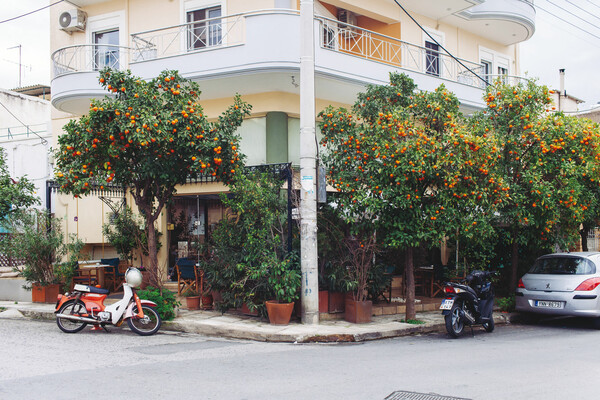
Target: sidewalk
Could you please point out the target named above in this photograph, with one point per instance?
(213, 323)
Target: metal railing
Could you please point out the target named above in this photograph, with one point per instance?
(23, 132)
(89, 57)
(193, 36)
(374, 46)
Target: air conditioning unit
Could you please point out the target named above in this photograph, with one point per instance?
(347, 18)
(72, 20)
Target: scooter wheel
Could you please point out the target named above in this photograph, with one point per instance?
(489, 326)
(454, 322)
(146, 326)
(72, 308)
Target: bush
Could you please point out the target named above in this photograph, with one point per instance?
(165, 301)
(506, 304)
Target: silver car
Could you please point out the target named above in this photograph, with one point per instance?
(562, 284)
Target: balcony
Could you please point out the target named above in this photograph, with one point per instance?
(259, 52)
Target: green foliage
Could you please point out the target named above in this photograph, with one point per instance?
(149, 137)
(332, 253)
(506, 304)
(284, 278)
(165, 300)
(411, 166)
(14, 194)
(248, 254)
(127, 232)
(38, 240)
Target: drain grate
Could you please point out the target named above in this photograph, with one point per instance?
(402, 395)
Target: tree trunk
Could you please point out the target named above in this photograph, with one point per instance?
(409, 273)
(584, 235)
(152, 254)
(514, 261)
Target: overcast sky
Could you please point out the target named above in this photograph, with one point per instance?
(559, 42)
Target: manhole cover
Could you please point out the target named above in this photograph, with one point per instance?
(402, 395)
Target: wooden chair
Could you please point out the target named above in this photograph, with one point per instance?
(439, 279)
(83, 278)
(112, 276)
(189, 277)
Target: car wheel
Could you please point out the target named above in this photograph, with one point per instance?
(596, 323)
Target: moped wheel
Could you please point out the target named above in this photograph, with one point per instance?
(454, 323)
(146, 326)
(72, 308)
(489, 326)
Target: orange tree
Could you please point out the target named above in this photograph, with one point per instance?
(404, 164)
(549, 162)
(149, 136)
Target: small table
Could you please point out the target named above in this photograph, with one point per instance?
(95, 266)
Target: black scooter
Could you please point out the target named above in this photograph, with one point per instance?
(469, 303)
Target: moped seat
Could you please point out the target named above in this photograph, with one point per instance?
(90, 289)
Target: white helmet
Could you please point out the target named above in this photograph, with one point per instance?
(133, 277)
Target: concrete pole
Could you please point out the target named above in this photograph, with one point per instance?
(308, 171)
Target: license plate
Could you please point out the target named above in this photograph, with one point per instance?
(548, 304)
(446, 304)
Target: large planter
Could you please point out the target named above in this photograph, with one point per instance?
(279, 313)
(336, 302)
(323, 301)
(358, 312)
(192, 302)
(44, 294)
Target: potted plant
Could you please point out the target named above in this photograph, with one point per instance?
(38, 240)
(285, 282)
(358, 309)
(192, 299)
(207, 299)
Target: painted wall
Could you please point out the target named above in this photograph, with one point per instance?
(26, 152)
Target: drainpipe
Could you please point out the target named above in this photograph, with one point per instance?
(308, 171)
(562, 88)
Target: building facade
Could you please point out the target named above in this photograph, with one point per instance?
(253, 48)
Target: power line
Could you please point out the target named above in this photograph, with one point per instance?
(30, 12)
(569, 12)
(440, 46)
(567, 22)
(594, 4)
(583, 9)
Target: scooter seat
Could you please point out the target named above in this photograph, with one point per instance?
(90, 289)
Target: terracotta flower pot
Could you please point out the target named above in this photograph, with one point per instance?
(192, 302)
(207, 302)
(279, 313)
(358, 312)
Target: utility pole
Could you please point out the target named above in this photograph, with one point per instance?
(20, 64)
(308, 168)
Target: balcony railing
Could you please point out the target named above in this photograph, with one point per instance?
(227, 31)
(193, 36)
(23, 132)
(89, 57)
(374, 46)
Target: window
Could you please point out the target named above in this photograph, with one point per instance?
(563, 266)
(432, 58)
(202, 33)
(106, 50)
(328, 36)
(502, 71)
(486, 70)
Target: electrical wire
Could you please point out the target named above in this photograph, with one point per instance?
(44, 141)
(570, 13)
(30, 12)
(592, 3)
(583, 9)
(440, 46)
(566, 22)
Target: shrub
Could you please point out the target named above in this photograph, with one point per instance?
(165, 301)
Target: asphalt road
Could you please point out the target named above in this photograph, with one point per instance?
(548, 360)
